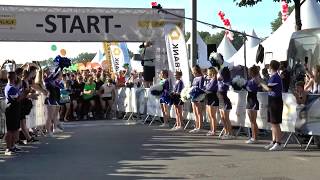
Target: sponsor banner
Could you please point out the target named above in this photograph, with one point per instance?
(65, 24)
(177, 53)
(177, 59)
(117, 57)
(125, 51)
(106, 64)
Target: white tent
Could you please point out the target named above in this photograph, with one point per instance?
(99, 57)
(202, 52)
(276, 45)
(238, 58)
(226, 49)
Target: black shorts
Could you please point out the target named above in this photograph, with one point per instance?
(107, 98)
(13, 117)
(252, 101)
(275, 108)
(149, 73)
(212, 99)
(176, 99)
(26, 106)
(224, 102)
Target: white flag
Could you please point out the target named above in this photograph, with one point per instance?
(177, 52)
(117, 57)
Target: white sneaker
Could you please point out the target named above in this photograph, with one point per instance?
(165, 125)
(74, 114)
(174, 128)
(90, 115)
(8, 152)
(251, 141)
(179, 128)
(276, 147)
(114, 118)
(227, 137)
(210, 133)
(267, 147)
(57, 130)
(195, 130)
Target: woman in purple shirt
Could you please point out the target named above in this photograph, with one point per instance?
(178, 104)
(164, 98)
(275, 105)
(224, 101)
(212, 99)
(198, 81)
(252, 106)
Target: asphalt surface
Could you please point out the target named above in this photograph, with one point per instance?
(114, 150)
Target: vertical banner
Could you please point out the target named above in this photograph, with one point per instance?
(177, 59)
(106, 64)
(125, 51)
(117, 57)
(177, 52)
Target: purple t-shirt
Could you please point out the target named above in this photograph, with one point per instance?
(11, 93)
(178, 86)
(198, 82)
(275, 83)
(166, 88)
(223, 86)
(212, 85)
(252, 86)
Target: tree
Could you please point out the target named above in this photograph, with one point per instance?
(83, 57)
(297, 6)
(275, 24)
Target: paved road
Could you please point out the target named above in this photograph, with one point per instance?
(112, 150)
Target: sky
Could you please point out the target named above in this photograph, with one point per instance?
(242, 19)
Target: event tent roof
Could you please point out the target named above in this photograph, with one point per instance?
(238, 58)
(202, 52)
(226, 48)
(276, 45)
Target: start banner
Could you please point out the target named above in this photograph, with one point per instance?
(74, 24)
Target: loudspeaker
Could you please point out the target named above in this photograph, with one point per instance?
(211, 48)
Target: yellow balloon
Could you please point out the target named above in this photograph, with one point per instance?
(63, 52)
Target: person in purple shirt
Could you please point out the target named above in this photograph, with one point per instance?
(198, 81)
(252, 106)
(164, 98)
(178, 104)
(224, 101)
(212, 99)
(275, 105)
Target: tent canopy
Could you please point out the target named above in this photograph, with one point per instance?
(226, 49)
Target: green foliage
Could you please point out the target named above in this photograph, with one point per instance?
(275, 24)
(83, 57)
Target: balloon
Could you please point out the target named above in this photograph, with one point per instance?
(63, 52)
(53, 47)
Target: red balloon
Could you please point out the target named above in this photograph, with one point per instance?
(154, 4)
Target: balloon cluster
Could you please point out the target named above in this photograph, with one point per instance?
(284, 10)
(227, 25)
(61, 62)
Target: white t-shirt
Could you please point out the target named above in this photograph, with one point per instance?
(107, 90)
